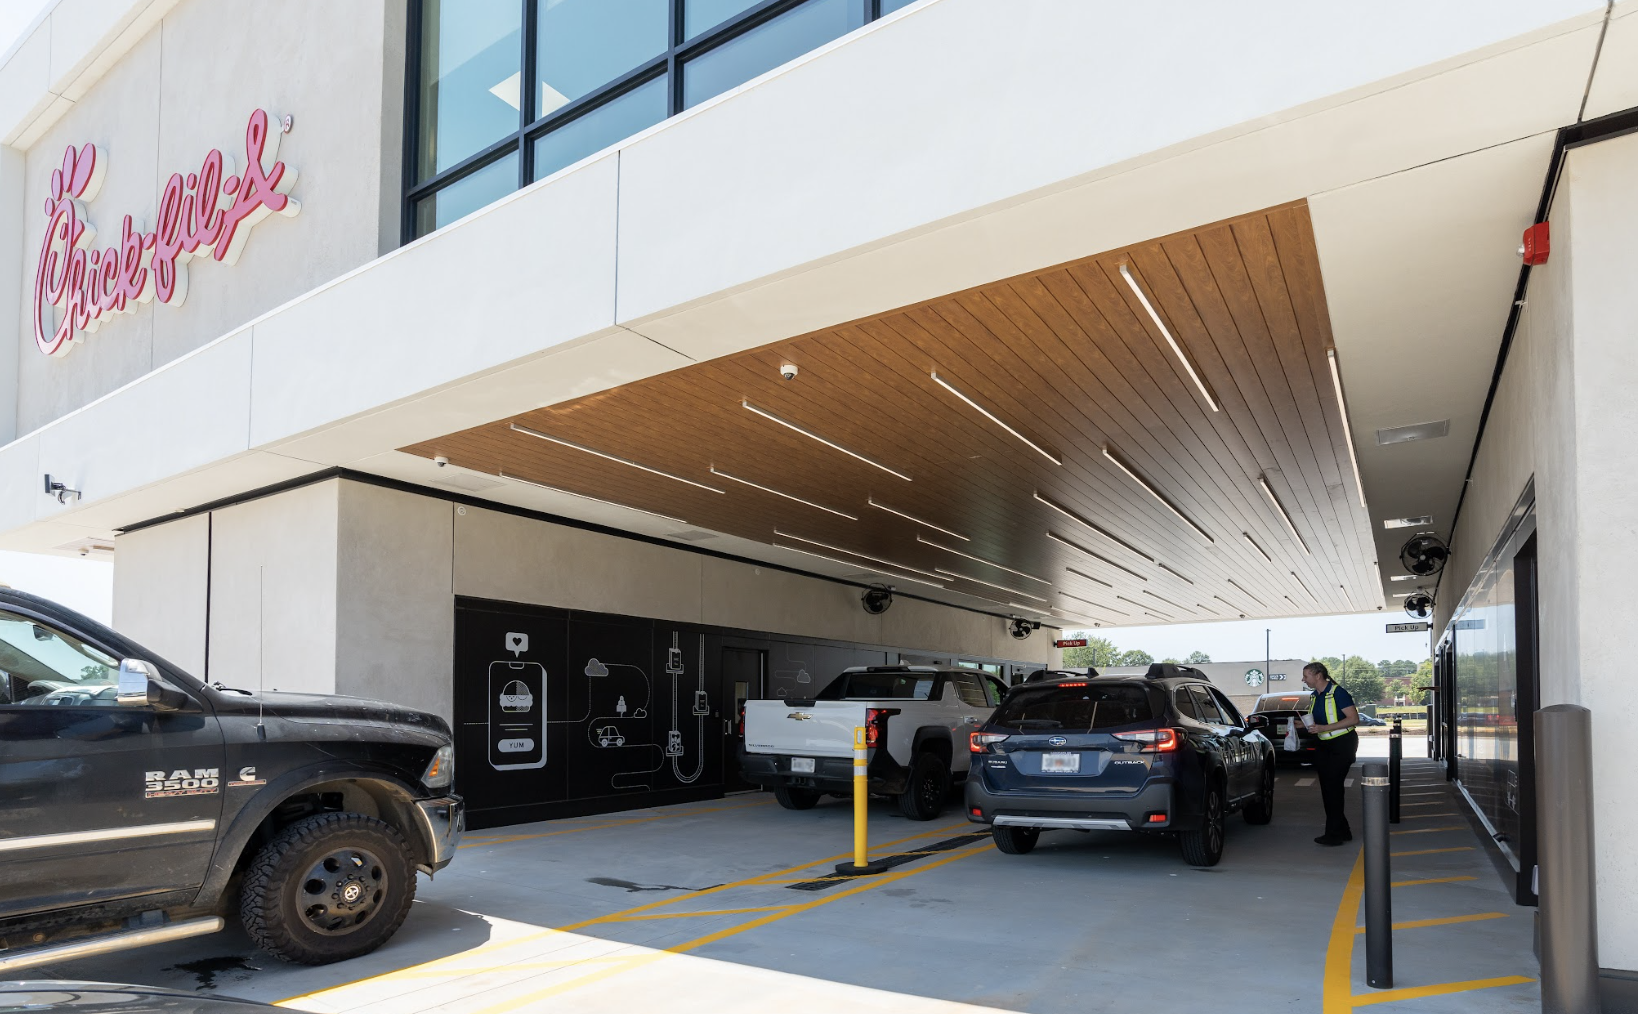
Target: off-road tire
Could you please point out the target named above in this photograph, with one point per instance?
(1015, 841)
(1261, 809)
(927, 789)
(1205, 846)
(796, 799)
(272, 895)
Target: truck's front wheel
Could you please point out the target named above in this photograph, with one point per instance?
(927, 788)
(329, 887)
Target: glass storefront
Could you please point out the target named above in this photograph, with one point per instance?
(509, 91)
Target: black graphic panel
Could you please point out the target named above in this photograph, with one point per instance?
(800, 671)
(509, 683)
(611, 742)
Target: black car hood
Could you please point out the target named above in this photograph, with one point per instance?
(112, 998)
(327, 709)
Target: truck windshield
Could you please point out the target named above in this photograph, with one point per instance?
(1083, 708)
(879, 686)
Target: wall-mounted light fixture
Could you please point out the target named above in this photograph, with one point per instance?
(611, 457)
(1177, 350)
(789, 496)
(911, 517)
(1347, 430)
(986, 413)
(828, 443)
(1130, 474)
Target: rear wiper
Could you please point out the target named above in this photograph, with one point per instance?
(1045, 723)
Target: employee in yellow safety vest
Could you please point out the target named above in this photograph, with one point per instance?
(1332, 719)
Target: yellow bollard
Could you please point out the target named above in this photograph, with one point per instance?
(861, 809)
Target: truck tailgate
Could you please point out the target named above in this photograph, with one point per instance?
(813, 729)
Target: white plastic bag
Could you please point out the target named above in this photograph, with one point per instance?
(1292, 745)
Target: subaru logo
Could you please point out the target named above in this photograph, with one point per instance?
(1057, 741)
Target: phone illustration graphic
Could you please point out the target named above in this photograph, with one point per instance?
(517, 715)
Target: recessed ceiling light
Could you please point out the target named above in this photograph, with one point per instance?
(1260, 549)
(1247, 594)
(1089, 577)
(975, 559)
(1415, 431)
(1304, 586)
(1077, 547)
(775, 492)
(952, 575)
(1403, 577)
(1177, 350)
(1173, 573)
(1347, 429)
(814, 436)
(1426, 519)
(911, 517)
(593, 499)
(1095, 605)
(1094, 529)
(981, 410)
(889, 571)
(1169, 602)
(1156, 494)
(611, 457)
(1268, 491)
(862, 556)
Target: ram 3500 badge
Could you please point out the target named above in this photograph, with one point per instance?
(118, 829)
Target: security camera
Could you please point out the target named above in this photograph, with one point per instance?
(788, 371)
(440, 461)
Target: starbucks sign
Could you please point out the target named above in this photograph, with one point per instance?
(1254, 677)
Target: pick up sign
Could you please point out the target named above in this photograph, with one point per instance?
(1074, 642)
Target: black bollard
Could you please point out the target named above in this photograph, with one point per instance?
(1396, 750)
(1378, 878)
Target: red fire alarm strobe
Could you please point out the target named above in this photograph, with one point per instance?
(1535, 247)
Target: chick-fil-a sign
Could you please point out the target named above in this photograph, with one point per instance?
(209, 212)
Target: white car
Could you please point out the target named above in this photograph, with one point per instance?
(916, 721)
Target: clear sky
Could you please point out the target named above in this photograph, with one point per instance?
(1242, 640)
(85, 585)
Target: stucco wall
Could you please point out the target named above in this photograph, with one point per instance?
(160, 587)
(189, 85)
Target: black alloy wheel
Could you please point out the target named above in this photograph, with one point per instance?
(343, 891)
(929, 786)
(796, 799)
(1261, 809)
(1205, 846)
(1015, 841)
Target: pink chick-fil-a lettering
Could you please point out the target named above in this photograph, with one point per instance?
(208, 212)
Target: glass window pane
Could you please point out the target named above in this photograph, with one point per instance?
(466, 195)
(698, 15)
(613, 121)
(39, 665)
(470, 53)
(582, 45)
(889, 6)
(767, 46)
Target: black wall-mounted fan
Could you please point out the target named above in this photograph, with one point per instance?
(1419, 606)
(1424, 555)
(876, 599)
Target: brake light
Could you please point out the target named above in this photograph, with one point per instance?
(1157, 818)
(1153, 740)
(1072, 684)
(980, 742)
(873, 725)
(741, 723)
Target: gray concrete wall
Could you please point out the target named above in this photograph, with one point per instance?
(161, 581)
(189, 85)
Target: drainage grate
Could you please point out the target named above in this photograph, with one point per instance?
(890, 862)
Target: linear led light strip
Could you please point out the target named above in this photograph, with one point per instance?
(920, 521)
(855, 563)
(981, 410)
(1077, 547)
(1206, 609)
(788, 496)
(1268, 491)
(652, 471)
(1304, 587)
(1071, 515)
(967, 556)
(854, 552)
(1169, 602)
(1347, 431)
(1248, 594)
(952, 575)
(593, 499)
(1156, 494)
(814, 436)
(1172, 572)
(1144, 610)
(1231, 605)
(1089, 577)
(1177, 350)
(1260, 549)
(1094, 605)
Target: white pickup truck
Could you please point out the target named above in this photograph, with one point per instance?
(916, 719)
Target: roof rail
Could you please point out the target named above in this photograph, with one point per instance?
(1169, 671)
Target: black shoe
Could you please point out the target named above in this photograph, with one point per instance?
(1347, 836)
(1328, 840)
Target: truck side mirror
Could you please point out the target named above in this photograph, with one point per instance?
(137, 686)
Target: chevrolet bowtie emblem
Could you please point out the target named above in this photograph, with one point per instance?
(798, 716)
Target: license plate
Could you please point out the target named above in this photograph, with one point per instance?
(1060, 763)
(801, 765)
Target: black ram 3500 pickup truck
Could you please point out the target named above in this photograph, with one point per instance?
(139, 805)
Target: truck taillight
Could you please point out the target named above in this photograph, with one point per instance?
(873, 725)
(979, 742)
(1154, 740)
(741, 723)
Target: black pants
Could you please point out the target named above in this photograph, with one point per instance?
(1331, 763)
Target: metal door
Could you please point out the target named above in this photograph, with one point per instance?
(744, 678)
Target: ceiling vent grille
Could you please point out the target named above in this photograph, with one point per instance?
(1416, 431)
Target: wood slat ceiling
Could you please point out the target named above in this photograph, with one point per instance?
(1067, 357)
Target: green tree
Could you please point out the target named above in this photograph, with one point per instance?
(1395, 669)
(1136, 657)
(1172, 661)
(1422, 681)
(1099, 651)
(1360, 678)
(1198, 658)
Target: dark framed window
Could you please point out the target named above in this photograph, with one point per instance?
(500, 93)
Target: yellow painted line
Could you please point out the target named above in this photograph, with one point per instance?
(1446, 921)
(757, 880)
(690, 915)
(1433, 852)
(1433, 880)
(638, 961)
(1418, 992)
(1432, 830)
(1339, 953)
